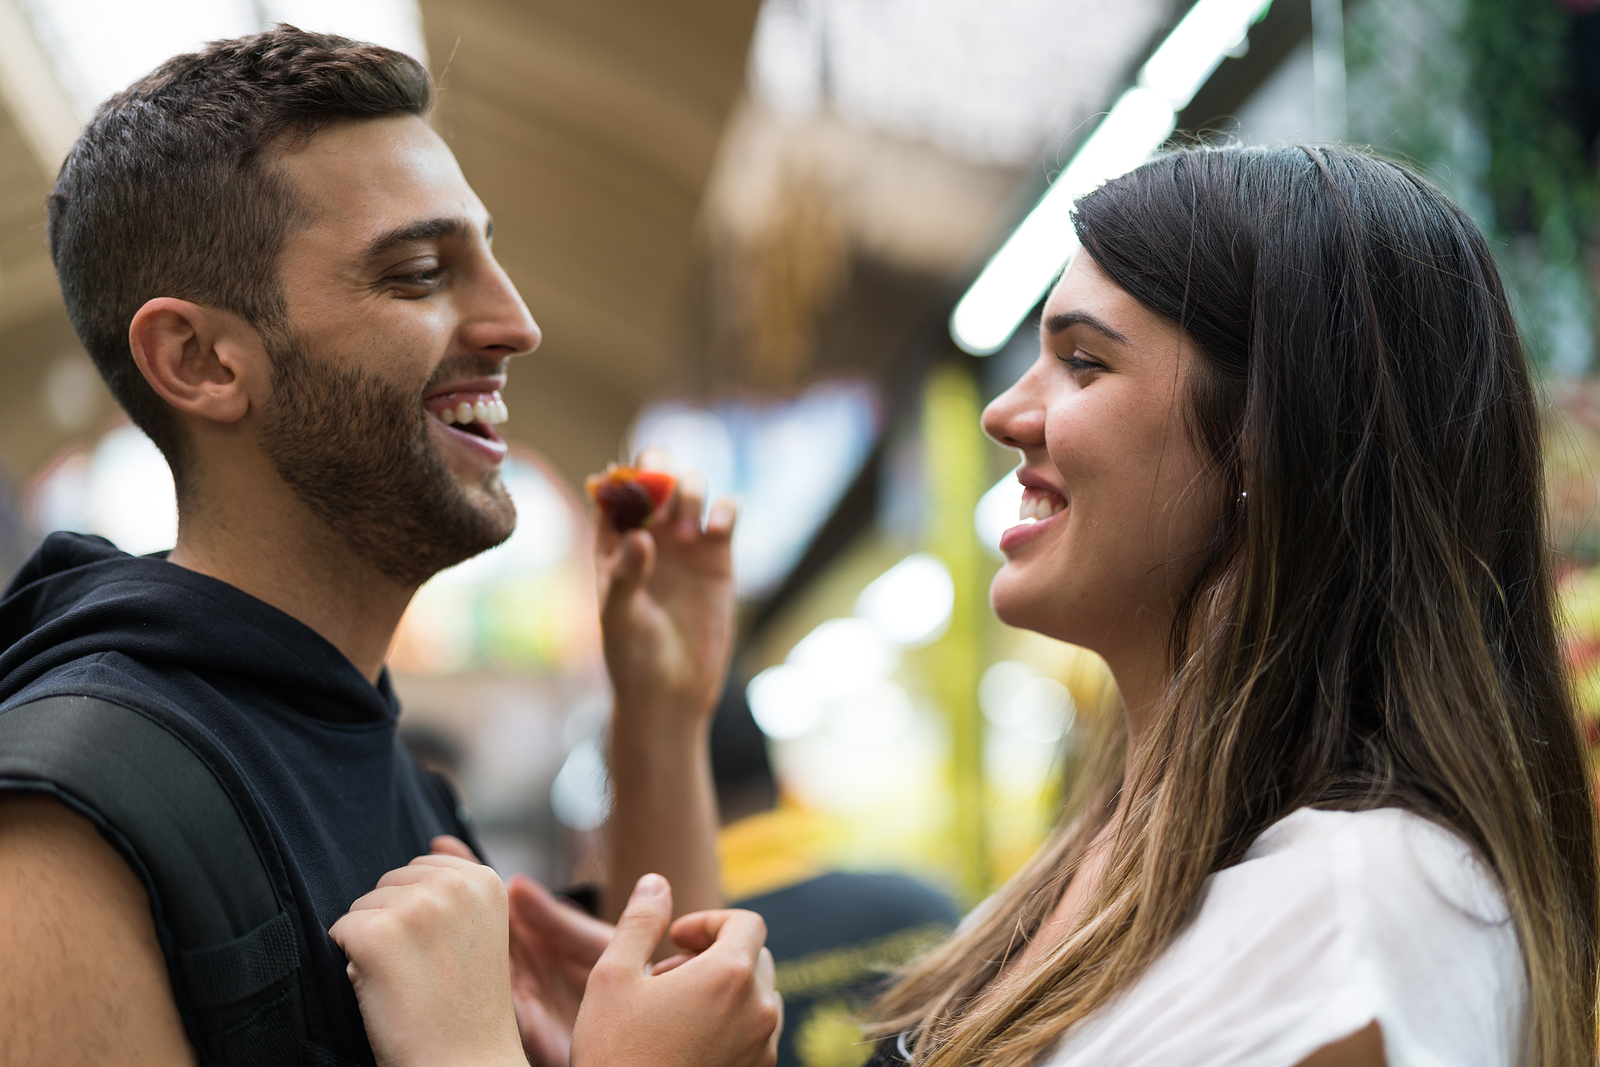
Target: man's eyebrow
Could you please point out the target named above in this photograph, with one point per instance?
(1054, 324)
(431, 230)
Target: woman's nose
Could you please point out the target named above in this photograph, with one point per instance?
(1014, 418)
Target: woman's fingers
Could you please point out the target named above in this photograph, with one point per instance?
(559, 927)
(687, 505)
(724, 513)
(626, 569)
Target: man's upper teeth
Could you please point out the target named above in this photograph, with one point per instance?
(490, 410)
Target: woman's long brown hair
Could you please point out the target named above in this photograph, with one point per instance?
(1373, 627)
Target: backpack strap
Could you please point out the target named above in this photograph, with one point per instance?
(229, 928)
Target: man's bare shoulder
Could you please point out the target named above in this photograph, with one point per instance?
(83, 981)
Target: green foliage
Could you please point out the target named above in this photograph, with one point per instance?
(1517, 55)
(1471, 92)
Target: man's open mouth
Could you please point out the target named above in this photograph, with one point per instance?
(470, 412)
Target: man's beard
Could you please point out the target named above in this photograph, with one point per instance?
(357, 451)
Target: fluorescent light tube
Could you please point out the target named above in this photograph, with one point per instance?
(1022, 270)
(1025, 266)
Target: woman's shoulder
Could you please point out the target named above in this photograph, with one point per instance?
(1332, 920)
(1390, 859)
(1385, 912)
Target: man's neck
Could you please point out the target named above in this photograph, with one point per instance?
(277, 552)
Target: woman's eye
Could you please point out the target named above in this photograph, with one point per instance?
(1076, 363)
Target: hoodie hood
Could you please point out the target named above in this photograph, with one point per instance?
(80, 596)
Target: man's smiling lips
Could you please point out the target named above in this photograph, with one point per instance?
(468, 412)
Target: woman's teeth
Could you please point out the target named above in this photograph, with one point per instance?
(1038, 505)
(490, 410)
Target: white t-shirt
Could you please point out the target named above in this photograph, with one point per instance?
(1333, 920)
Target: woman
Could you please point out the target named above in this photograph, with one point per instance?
(1281, 458)
(1283, 431)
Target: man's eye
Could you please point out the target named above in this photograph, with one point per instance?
(422, 279)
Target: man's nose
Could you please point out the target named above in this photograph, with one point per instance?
(498, 322)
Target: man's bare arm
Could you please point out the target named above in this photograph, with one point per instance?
(83, 982)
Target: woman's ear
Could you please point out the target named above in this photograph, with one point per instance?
(199, 359)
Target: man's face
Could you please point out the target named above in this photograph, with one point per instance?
(398, 315)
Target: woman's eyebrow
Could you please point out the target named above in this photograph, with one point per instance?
(1054, 324)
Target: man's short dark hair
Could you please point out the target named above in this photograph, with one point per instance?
(170, 191)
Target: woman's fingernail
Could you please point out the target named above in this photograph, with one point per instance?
(651, 885)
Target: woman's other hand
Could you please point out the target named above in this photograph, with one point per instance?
(715, 1008)
(667, 623)
(553, 948)
(428, 959)
(667, 605)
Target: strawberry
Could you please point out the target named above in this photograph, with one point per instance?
(627, 496)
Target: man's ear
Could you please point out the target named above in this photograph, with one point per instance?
(201, 360)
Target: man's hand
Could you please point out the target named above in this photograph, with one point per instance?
(717, 1008)
(666, 604)
(428, 959)
(553, 948)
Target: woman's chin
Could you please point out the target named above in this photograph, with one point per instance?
(1016, 602)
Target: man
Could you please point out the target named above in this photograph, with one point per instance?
(285, 280)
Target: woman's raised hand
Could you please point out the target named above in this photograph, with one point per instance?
(428, 959)
(715, 1008)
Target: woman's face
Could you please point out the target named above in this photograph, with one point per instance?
(1120, 497)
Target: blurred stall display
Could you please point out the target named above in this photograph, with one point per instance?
(861, 743)
(1572, 471)
(997, 512)
(118, 487)
(910, 603)
(787, 462)
(1572, 466)
(1015, 697)
(580, 796)
(524, 607)
(100, 46)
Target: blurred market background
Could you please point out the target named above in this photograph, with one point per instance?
(798, 244)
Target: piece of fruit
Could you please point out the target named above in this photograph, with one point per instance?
(628, 496)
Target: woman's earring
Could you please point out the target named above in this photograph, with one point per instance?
(1240, 502)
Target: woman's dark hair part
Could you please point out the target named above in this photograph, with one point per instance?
(1372, 625)
(170, 189)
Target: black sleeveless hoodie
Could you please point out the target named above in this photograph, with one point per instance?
(314, 742)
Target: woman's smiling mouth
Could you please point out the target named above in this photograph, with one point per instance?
(1038, 508)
